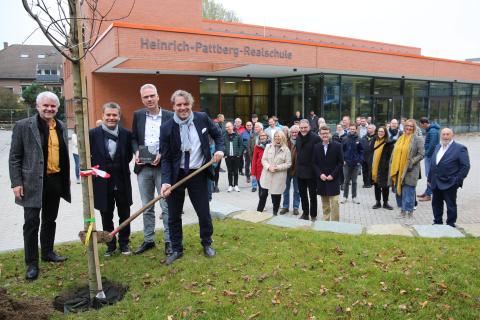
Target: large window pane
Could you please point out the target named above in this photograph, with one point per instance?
(260, 98)
(461, 106)
(289, 98)
(439, 101)
(209, 102)
(237, 86)
(236, 107)
(387, 87)
(415, 101)
(313, 95)
(331, 99)
(356, 96)
(475, 115)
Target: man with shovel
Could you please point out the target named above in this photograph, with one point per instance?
(185, 149)
(40, 176)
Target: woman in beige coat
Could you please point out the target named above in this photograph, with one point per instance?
(276, 160)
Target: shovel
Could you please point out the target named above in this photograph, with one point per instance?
(105, 236)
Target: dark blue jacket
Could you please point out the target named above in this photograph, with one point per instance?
(452, 168)
(170, 143)
(432, 139)
(352, 150)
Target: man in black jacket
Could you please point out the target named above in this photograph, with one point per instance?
(366, 142)
(352, 156)
(307, 184)
(111, 150)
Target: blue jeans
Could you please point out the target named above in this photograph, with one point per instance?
(406, 200)
(149, 179)
(76, 158)
(286, 193)
(254, 182)
(428, 191)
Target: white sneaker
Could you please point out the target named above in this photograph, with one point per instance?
(229, 189)
(344, 200)
(236, 188)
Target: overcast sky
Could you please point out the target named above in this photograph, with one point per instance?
(442, 28)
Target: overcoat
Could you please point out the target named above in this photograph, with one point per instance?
(275, 181)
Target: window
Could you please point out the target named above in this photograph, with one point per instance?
(24, 55)
(356, 100)
(415, 101)
(53, 71)
(41, 56)
(461, 106)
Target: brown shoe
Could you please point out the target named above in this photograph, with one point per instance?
(426, 198)
(283, 210)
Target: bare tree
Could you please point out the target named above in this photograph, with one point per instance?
(72, 27)
(216, 11)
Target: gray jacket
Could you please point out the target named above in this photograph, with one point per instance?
(26, 162)
(415, 156)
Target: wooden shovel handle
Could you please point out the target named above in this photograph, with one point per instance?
(153, 201)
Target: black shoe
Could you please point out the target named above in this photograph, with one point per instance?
(387, 206)
(216, 190)
(367, 186)
(52, 257)
(254, 189)
(32, 272)
(304, 216)
(274, 213)
(209, 252)
(174, 256)
(283, 210)
(314, 219)
(377, 205)
(295, 212)
(241, 173)
(144, 247)
(168, 249)
(110, 252)
(248, 180)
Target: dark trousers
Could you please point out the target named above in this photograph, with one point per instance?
(217, 172)
(381, 192)
(263, 194)
(52, 185)
(247, 164)
(198, 193)
(350, 174)
(233, 166)
(308, 188)
(450, 198)
(367, 173)
(123, 209)
(240, 163)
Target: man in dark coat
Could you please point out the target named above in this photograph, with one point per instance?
(39, 149)
(432, 138)
(111, 150)
(448, 168)
(327, 165)
(185, 148)
(146, 132)
(353, 156)
(307, 184)
(367, 141)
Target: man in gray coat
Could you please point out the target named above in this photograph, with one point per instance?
(40, 176)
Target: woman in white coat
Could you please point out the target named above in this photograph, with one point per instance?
(276, 160)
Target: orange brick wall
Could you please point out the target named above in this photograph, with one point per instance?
(125, 90)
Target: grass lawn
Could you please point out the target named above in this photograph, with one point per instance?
(265, 272)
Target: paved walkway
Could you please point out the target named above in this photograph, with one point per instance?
(69, 221)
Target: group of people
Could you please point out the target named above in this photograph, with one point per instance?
(178, 142)
(387, 157)
(167, 146)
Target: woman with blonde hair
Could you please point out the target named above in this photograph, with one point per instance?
(275, 160)
(405, 167)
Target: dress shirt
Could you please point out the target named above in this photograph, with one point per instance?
(152, 130)
(442, 151)
(325, 148)
(196, 155)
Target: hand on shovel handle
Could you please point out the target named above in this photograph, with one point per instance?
(104, 236)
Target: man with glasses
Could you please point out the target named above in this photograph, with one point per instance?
(146, 135)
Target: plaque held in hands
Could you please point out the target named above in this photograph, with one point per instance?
(146, 154)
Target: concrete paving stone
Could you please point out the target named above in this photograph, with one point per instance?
(437, 231)
(287, 222)
(471, 229)
(221, 209)
(338, 227)
(253, 216)
(389, 229)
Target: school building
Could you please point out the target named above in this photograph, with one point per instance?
(239, 69)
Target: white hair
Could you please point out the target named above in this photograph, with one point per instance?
(148, 86)
(47, 95)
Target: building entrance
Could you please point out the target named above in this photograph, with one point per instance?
(386, 109)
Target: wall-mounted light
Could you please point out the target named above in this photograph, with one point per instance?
(294, 69)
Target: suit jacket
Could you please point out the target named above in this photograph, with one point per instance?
(138, 129)
(329, 164)
(26, 161)
(170, 145)
(304, 146)
(100, 157)
(451, 170)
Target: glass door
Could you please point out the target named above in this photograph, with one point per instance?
(386, 109)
